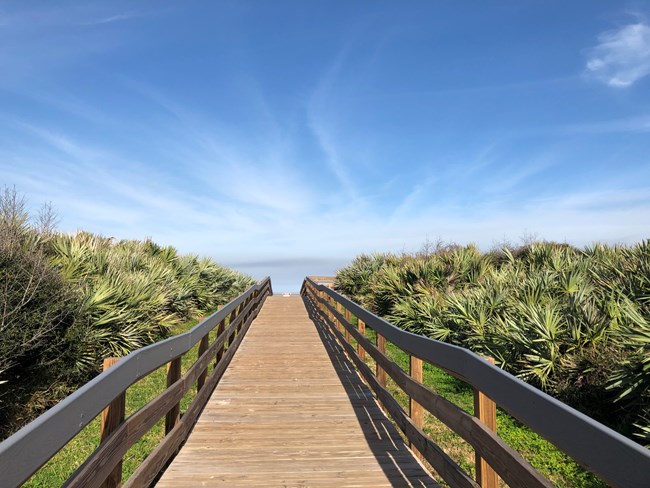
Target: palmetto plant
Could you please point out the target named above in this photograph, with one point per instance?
(132, 292)
(69, 300)
(574, 322)
(631, 379)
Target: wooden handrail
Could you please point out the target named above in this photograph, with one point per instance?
(616, 459)
(37, 442)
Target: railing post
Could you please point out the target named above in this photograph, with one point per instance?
(203, 346)
(415, 409)
(220, 328)
(247, 302)
(486, 411)
(231, 319)
(347, 318)
(245, 314)
(112, 417)
(173, 375)
(379, 372)
(361, 326)
(326, 301)
(241, 309)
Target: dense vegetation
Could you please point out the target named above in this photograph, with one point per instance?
(68, 301)
(573, 322)
(553, 464)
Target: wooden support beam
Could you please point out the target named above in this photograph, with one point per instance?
(233, 314)
(486, 411)
(231, 319)
(220, 328)
(361, 325)
(379, 372)
(415, 409)
(347, 318)
(173, 375)
(112, 417)
(243, 321)
(203, 346)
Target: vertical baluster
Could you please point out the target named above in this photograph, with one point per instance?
(112, 417)
(203, 346)
(486, 411)
(415, 409)
(233, 316)
(173, 375)
(361, 326)
(347, 318)
(379, 372)
(220, 328)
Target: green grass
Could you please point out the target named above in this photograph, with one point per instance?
(559, 468)
(58, 469)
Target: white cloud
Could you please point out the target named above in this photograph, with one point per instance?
(252, 233)
(621, 56)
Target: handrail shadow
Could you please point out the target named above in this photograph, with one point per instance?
(381, 435)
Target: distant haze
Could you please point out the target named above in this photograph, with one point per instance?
(287, 275)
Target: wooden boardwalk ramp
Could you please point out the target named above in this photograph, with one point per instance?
(291, 411)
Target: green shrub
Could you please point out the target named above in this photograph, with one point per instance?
(575, 323)
(69, 301)
(37, 313)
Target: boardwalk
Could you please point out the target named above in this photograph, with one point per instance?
(290, 411)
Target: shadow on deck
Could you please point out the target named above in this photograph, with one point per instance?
(395, 458)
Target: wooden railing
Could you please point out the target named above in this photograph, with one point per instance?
(22, 454)
(616, 459)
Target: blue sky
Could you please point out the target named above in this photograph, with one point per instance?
(285, 138)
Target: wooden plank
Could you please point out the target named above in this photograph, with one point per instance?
(154, 463)
(446, 467)
(37, 442)
(109, 453)
(508, 463)
(291, 410)
(615, 459)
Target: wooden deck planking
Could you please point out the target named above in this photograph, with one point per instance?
(291, 411)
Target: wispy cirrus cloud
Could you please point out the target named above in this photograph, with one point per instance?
(638, 124)
(264, 174)
(109, 19)
(321, 115)
(622, 56)
(40, 40)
